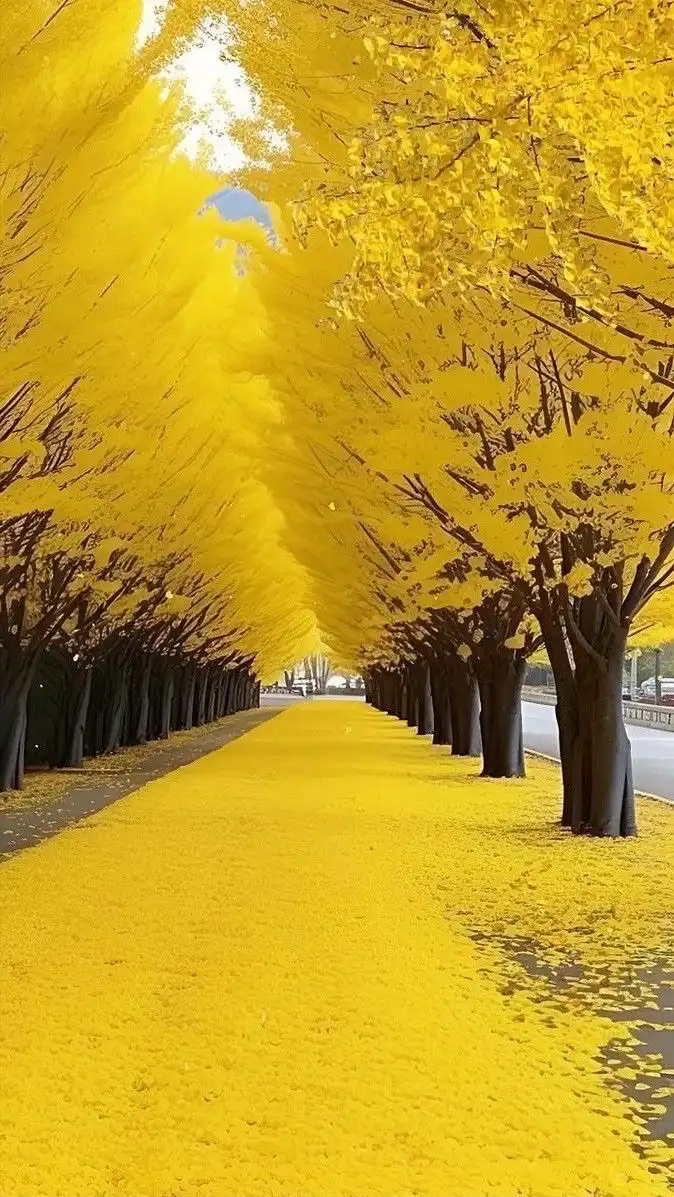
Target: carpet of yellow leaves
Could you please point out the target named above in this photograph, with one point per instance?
(43, 786)
(328, 961)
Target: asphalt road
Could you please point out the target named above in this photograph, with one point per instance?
(652, 750)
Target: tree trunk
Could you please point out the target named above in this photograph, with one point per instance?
(411, 713)
(229, 694)
(442, 718)
(500, 687)
(114, 711)
(566, 707)
(594, 747)
(76, 721)
(166, 703)
(424, 701)
(464, 702)
(222, 694)
(604, 802)
(566, 714)
(395, 699)
(16, 684)
(141, 703)
(175, 723)
(202, 689)
(187, 698)
(210, 701)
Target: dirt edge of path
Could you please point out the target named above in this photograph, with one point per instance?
(111, 778)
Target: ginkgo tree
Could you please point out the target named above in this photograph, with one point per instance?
(134, 522)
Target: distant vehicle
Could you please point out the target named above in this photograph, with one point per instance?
(303, 687)
(647, 688)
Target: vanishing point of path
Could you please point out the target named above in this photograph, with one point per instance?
(328, 960)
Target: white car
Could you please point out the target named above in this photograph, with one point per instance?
(666, 687)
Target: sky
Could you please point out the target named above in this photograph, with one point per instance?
(213, 86)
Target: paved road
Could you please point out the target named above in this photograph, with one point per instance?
(652, 750)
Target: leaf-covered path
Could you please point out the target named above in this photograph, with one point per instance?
(297, 967)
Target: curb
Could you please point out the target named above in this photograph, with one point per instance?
(638, 793)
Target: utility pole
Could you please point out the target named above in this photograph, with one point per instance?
(633, 673)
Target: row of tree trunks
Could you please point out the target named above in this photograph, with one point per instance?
(56, 711)
(476, 710)
(439, 697)
(476, 707)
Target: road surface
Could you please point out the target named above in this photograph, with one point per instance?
(652, 750)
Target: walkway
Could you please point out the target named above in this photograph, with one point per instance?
(328, 961)
(104, 780)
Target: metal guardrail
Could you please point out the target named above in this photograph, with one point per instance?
(643, 714)
(532, 694)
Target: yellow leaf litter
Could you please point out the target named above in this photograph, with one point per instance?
(329, 961)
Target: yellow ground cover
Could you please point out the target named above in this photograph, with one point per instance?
(281, 970)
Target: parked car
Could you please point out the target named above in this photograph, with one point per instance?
(666, 685)
(647, 690)
(303, 688)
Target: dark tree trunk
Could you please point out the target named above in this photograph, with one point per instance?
(391, 694)
(76, 721)
(603, 801)
(187, 698)
(594, 747)
(424, 701)
(500, 686)
(202, 690)
(567, 716)
(212, 697)
(177, 699)
(140, 711)
(566, 708)
(167, 684)
(229, 695)
(223, 691)
(16, 684)
(386, 693)
(401, 697)
(442, 718)
(411, 710)
(115, 709)
(464, 702)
